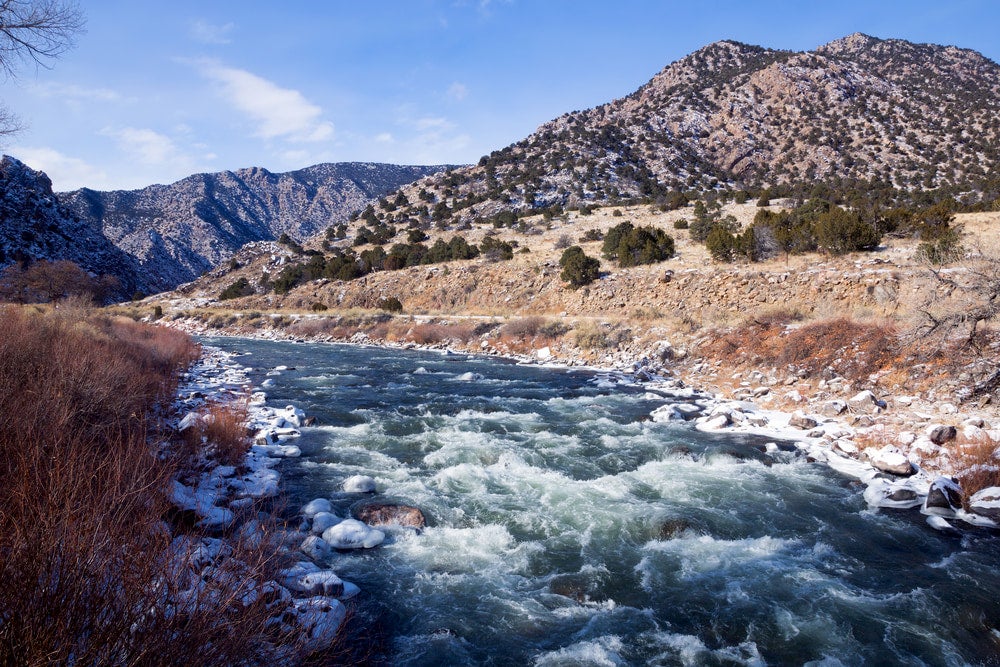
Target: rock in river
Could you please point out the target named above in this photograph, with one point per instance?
(352, 534)
(388, 514)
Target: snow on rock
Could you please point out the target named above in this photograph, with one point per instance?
(986, 503)
(189, 420)
(323, 520)
(359, 484)
(320, 618)
(940, 523)
(944, 498)
(315, 506)
(889, 459)
(865, 402)
(202, 502)
(666, 413)
(353, 534)
(316, 548)
(899, 494)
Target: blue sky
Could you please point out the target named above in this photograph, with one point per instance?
(155, 91)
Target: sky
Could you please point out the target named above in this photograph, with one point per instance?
(155, 91)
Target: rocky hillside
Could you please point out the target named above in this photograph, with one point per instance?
(34, 224)
(860, 108)
(173, 233)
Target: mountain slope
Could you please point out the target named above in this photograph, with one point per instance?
(35, 225)
(912, 115)
(176, 232)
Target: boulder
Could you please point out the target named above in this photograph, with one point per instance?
(666, 413)
(315, 506)
(319, 618)
(865, 402)
(833, 408)
(940, 433)
(986, 503)
(944, 498)
(892, 494)
(801, 421)
(889, 459)
(322, 521)
(316, 548)
(359, 484)
(353, 534)
(388, 514)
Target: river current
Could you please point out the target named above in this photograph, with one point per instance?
(565, 528)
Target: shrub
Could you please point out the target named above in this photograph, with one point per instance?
(633, 246)
(318, 307)
(495, 250)
(390, 304)
(578, 269)
(525, 327)
(563, 242)
(840, 232)
(238, 289)
(225, 428)
(592, 235)
(681, 223)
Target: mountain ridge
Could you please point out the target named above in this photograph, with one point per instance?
(170, 234)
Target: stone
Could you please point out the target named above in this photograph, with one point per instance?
(388, 514)
(944, 497)
(323, 520)
(986, 503)
(353, 534)
(316, 548)
(865, 402)
(672, 528)
(801, 421)
(359, 484)
(833, 408)
(315, 506)
(941, 433)
(889, 459)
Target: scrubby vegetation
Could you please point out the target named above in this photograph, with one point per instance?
(87, 558)
(578, 269)
(632, 246)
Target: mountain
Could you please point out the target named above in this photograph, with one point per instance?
(740, 116)
(176, 232)
(34, 224)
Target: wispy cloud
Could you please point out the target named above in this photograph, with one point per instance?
(457, 92)
(146, 145)
(278, 112)
(76, 93)
(210, 33)
(67, 173)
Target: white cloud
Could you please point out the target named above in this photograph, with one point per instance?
(384, 138)
(76, 93)
(457, 92)
(278, 112)
(208, 33)
(424, 124)
(145, 145)
(67, 173)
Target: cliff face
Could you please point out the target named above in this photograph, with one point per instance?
(35, 225)
(177, 232)
(913, 115)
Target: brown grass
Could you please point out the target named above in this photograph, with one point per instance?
(86, 560)
(977, 463)
(221, 434)
(851, 349)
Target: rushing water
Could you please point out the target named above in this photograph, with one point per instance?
(566, 529)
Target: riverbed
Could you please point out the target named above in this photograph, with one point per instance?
(565, 527)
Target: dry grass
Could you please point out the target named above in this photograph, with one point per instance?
(431, 333)
(850, 349)
(86, 559)
(221, 434)
(977, 463)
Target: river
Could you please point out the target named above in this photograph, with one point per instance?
(565, 528)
